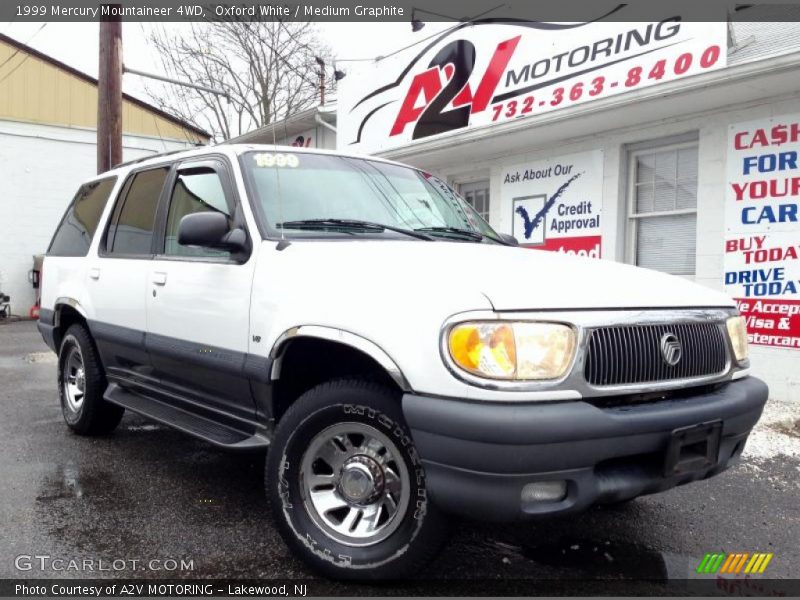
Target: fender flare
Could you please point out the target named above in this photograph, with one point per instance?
(67, 301)
(341, 336)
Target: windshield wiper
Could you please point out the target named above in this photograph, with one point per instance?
(473, 235)
(350, 224)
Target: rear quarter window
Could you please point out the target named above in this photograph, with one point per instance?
(79, 224)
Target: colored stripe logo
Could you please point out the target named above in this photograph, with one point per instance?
(734, 563)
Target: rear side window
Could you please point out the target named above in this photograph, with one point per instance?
(76, 230)
(131, 230)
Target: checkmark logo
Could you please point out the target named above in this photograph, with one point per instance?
(531, 224)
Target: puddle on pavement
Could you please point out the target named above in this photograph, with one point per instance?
(601, 559)
(64, 484)
(145, 427)
(67, 482)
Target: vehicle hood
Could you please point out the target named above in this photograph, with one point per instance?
(510, 278)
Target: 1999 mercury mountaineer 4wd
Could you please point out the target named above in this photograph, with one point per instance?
(400, 359)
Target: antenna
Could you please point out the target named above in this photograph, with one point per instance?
(278, 182)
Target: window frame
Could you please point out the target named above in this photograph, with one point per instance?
(222, 168)
(632, 218)
(119, 204)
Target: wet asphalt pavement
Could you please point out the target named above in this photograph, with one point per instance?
(147, 492)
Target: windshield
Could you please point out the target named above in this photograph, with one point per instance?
(302, 194)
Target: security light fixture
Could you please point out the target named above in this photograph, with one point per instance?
(416, 24)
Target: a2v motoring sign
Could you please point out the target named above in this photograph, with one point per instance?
(762, 217)
(491, 71)
(556, 204)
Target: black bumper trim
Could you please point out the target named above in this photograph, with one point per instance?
(479, 456)
(47, 327)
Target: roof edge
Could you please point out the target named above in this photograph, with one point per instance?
(282, 127)
(89, 79)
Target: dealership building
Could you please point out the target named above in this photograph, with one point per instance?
(670, 145)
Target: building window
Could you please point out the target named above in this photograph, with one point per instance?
(662, 208)
(477, 195)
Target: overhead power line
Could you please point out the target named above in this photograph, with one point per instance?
(17, 51)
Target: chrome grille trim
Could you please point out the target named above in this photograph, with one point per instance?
(631, 354)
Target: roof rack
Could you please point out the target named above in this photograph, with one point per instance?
(144, 158)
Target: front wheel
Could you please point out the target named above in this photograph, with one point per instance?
(347, 487)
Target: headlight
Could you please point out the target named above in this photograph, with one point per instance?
(511, 350)
(737, 330)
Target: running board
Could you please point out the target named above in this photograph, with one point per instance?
(205, 429)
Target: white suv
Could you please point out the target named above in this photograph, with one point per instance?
(399, 357)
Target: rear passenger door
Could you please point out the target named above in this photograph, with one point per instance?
(117, 277)
(198, 299)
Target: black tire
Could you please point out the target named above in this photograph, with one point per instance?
(90, 414)
(418, 531)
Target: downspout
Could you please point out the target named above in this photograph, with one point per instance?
(324, 123)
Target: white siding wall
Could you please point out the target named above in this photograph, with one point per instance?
(778, 367)
(41, 167)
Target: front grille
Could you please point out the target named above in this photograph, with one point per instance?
(631, 354)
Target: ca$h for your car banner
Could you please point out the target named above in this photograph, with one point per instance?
(762, 217)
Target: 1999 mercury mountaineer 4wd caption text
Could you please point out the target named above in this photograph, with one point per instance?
(399, 359)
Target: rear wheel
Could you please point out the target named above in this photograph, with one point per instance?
(347, 487)
(81, 385)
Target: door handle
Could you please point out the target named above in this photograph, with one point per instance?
(94, 273)
(159, 278)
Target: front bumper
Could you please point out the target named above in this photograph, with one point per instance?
(479, 456)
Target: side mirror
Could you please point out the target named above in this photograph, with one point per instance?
(509, 239)
(210, 230)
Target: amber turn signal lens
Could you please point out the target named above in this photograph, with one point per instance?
(512, 350)
(484, 349)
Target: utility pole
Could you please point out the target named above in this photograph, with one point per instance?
(321, 64)
(109, 94)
